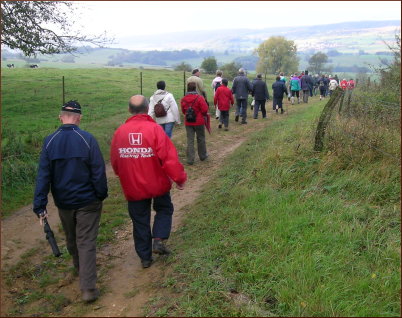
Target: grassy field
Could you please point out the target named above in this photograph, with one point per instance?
(31, 101)
(286, 231)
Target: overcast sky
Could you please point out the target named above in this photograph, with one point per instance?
(124, 18)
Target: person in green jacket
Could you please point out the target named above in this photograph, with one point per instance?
(295, 87)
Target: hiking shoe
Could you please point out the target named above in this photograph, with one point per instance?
(282, 111)
(243, 122)
(237, 118)
(226, 129)
(146, 262)
(220, 126)
(159, 248)
(90, 295)
(206, 157)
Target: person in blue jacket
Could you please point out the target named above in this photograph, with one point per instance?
(72, 167)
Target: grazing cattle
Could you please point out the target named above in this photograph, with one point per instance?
(10, 65)
(33, 66)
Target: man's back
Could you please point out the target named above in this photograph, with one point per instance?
(241, 87)
(77, 171)
(198, 82)
(145, 159)
(260, 90)
(279, 88)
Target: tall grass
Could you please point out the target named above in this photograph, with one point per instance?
(285, 231)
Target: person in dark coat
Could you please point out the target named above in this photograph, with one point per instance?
(278, 88)
(72, 167)
(306, 84)
(241, 88)
(260, 94)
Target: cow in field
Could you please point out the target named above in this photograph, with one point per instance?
(10, 65)
(33, 66)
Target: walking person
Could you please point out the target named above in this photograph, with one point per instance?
(322, 85)
(278, 88)
(169, 103)
(72, 166)
(146, 162)
(241, 88)
(333, 84)
(223, 99)
(295, 87)
(195, 78)
(306, 84)
(216, 82)
(260, 94)
(195, 128)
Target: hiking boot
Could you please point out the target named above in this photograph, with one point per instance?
(237, 118)
(146, 262)
(282, 111)
(220, 126)
(226, 129)
(206, 157)
(159, 248)
(243, 122)
(90, 295)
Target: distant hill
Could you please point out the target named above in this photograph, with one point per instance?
(344, 37)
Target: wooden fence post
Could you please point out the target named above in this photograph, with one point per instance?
(64, 94)
(141, 82)
(325, 117)
(184, 83)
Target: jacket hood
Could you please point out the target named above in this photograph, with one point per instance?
(160, 92)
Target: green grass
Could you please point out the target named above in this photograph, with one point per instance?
(285, 231)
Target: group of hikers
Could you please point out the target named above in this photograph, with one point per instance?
(145, 160)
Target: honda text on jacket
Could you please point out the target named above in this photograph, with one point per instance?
(145, 159)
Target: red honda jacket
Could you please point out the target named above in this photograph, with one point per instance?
(200, 107)
(145, 159)
(344, 84)
(223, 98)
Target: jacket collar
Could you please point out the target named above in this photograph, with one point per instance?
(142, 117)
(68, 126)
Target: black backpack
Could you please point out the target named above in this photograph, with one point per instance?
(191, 116)
(218, 84)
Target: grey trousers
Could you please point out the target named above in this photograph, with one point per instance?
(201, 146)
(305, 96)
(81, 229)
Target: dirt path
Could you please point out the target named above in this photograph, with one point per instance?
(126, 286)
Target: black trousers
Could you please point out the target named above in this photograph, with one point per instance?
(81, 229)
(140, 213)
(257, 104)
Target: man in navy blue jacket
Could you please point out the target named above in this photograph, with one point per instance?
(278, 88)
(72, 167)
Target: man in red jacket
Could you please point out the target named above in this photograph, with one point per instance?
(146, 162)
(223, 99)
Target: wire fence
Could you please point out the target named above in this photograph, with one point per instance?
(358, 120)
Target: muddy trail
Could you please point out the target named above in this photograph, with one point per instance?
(126, 287)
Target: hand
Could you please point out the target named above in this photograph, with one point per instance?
(180, 186)
(42, 216)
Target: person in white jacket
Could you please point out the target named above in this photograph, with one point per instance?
(172, 117)
(333, 84)
(216, 80)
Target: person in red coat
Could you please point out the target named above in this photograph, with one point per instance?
(197, 103)
(223, 99)
(146, 162)
(344, 84)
